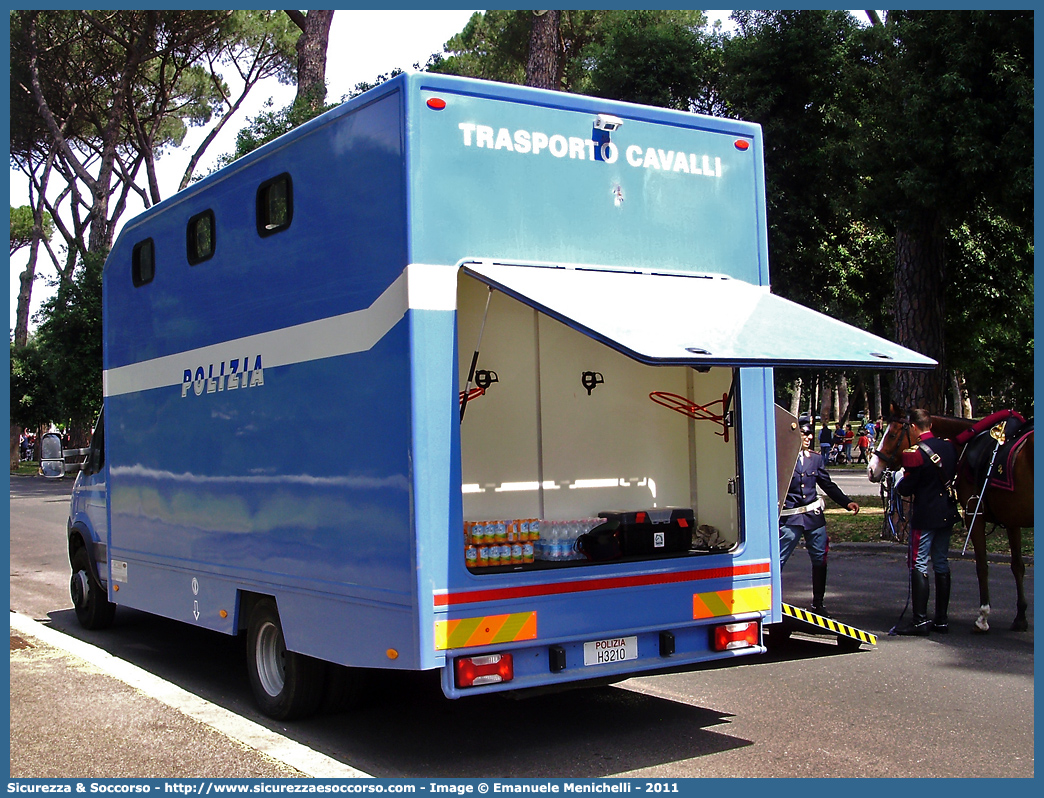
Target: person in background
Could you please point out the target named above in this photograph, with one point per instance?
(826, 440)
(839, 436)
(802, 515)
(928, 468)
(849, 438)
(864, 446)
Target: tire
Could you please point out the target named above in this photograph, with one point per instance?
(346, 688)
(90, 601)
(286, 685)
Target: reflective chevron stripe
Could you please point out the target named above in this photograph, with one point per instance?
(720, 603)
(829, 624)
(470, 632)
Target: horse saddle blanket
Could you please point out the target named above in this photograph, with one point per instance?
(979, 452)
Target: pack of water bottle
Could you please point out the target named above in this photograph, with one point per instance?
(558, 538)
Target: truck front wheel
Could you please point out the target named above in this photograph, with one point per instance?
(286, 684)
(92, 605)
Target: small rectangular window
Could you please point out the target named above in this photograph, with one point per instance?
(275, 205)
(143, 262)
(201, 237)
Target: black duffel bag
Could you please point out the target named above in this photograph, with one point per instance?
(604, 542)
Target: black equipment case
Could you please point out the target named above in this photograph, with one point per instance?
(665, 530)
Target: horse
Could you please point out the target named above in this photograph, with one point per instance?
(1010, 506)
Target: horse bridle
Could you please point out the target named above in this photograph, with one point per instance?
(896, 457)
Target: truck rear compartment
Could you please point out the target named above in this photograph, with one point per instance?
(563, 437)
(565, 434)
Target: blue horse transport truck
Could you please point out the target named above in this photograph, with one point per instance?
(458, 376)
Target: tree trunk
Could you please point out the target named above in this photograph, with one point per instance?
(25, 295)
(920, 273)
(26, 279)
(102, 228)
(825, 391)
(858, 395)
(311, 55)
(16, 434)
(542, 68)
(795, 399)
(961, 401)
(878, 408)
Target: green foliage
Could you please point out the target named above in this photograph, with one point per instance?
(22, 227)
(69, 345)
(947, 139)
(123, 88)
(950, 114)
(989, 329)
(365, 85)
(655, 60)
(270, 125)
(29, 133)
(270, 37)
(85, 60)
(863, 128)
(791, 71)
(494, 45)
(267, 36)
(32, 393)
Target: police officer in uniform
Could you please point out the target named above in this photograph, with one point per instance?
(802, 515)
(927, 468)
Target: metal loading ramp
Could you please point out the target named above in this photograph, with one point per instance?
(799, 620)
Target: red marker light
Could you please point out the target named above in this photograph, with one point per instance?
(734, 635)
(490, 669)
(436, 103)
(741, 144)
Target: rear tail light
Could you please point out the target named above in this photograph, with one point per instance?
(489, 669)
(735, 635)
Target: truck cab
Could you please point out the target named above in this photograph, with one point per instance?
(87, 536)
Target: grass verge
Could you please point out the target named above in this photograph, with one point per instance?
(868, 525)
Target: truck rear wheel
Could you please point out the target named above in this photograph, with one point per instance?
(92, 605)
(286, 684)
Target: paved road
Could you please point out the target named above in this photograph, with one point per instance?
(809, 711)
(854, 482)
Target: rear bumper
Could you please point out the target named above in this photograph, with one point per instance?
(538, 665)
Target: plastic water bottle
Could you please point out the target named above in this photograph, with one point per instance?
(544, 542)
(572, 532)
(563, 540)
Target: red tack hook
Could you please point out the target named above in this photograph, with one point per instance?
(698, 412)
(474, 393)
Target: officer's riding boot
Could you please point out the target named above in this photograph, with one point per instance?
(942, 601)
(819, 574)
(919, 623)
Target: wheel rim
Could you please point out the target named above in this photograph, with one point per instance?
(270, 655)
(80, 588)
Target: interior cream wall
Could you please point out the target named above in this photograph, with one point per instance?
(538, 445)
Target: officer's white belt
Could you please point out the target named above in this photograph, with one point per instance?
(814, 507)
